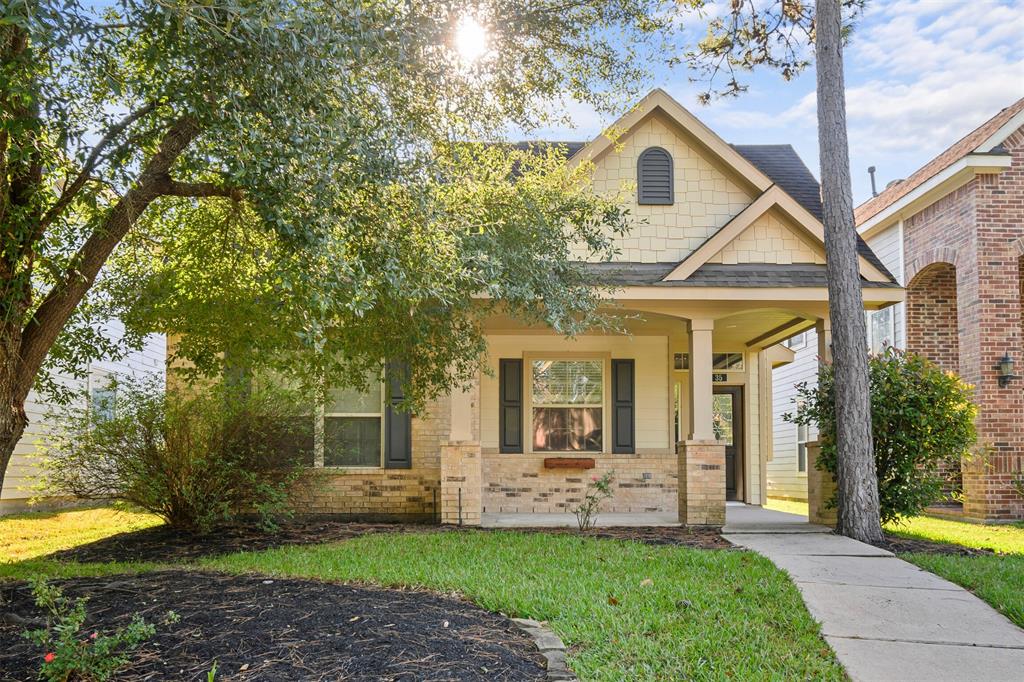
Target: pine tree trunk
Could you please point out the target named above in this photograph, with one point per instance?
(856, 480)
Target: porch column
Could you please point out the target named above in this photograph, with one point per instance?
(700, 379)
(701, 457)
(823, 328)
(461, 461)
(820, 484)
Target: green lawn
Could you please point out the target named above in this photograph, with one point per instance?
(26, 536)
(627, 610)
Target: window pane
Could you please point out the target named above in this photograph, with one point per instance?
(801, 457)
(352, 441)
(567, 429)
(567, 382)
(101, 401)
(348, 400)
(728, 361)
(721, 416)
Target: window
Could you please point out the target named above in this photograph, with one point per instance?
(796, 342)
(353, 426)
(881, 329)
(654, 177)
(567, 399)
(102, 400)
(801, 448)
(681, 361)
(727, 362)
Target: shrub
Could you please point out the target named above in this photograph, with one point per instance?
(921, 416)
(195, 460)
(598, 490)
(70, 653)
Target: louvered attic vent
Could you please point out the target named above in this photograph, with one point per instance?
(654, 177)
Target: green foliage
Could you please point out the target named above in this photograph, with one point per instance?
(598, 490)
(921, 416)
(70, 653)
(334, 128)
(194, 460)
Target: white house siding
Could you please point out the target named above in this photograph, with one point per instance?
(21, 473)
(784, 481)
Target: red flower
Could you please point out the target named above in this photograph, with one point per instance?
(49, 657)
(94, 635)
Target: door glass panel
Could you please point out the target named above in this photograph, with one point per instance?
(721, 417)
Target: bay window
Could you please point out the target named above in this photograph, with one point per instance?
(567, 398)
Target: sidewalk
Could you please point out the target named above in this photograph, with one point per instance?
(886, 619)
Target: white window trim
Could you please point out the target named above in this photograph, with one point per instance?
(319, 436)
(528, 360)
(807, 435)
(799, 345)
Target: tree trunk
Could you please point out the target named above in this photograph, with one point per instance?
(12, 410)
(856, 479)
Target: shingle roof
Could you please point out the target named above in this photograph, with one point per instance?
(570, 147)
(783, 165)
(714, 275)
(957, 151)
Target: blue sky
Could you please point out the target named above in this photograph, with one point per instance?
(920, 74)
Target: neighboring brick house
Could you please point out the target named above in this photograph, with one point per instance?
(953, 233)
(726, 260)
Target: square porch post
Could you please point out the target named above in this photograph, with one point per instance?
(701, 456)
(461, 460)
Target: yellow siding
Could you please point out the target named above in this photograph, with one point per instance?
(769, 239)
(705, 197)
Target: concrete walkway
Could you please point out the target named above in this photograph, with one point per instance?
(886, 619)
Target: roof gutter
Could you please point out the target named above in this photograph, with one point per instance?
(939, 185)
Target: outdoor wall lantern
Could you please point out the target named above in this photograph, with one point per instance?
(1006, 371)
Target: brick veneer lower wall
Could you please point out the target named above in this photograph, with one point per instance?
(702, 483)
(460, 484)
(385, 494)
(519, 484)
(821, 488)
(931, 316)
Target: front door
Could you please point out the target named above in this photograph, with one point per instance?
(727, 412)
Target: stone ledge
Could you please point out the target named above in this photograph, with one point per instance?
(550, 645)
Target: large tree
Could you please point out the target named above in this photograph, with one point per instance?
(299, 162)
(782, 35)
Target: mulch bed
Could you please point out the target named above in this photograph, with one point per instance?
(256, 628)
(901, 545)
(165, 545)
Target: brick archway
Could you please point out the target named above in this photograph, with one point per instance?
(931, 305)
(932, 331)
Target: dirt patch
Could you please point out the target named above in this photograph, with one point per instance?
(165, 545)
(901, 545)
(258, 628)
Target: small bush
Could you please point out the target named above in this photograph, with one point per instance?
(195, 460)
(921, 416)
(70, 653)
(598, 490)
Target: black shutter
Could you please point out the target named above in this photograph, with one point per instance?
(510, 413)
(654, 177)
(623, 412)
(397, 424)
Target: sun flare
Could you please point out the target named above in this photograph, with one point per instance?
(470, 39)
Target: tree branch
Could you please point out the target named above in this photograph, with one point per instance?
(71, 190)
(176, 188)
(60, 302)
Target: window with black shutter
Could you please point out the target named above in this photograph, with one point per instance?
(510, 412)
(397, 423)
(623, 411)
(654, 176)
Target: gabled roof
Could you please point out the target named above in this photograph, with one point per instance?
(984, 139)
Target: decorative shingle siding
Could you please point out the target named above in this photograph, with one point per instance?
(705, 196)
(769, 240)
